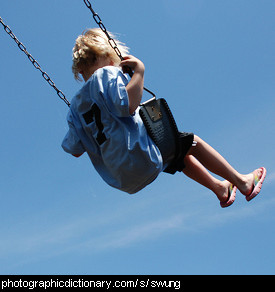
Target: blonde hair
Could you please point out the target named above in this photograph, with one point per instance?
(92, 45)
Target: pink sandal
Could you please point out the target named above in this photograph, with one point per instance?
(258, 182)
(231, 197)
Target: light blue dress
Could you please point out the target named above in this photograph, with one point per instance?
(116, 142)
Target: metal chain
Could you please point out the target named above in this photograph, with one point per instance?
(37, 66)
(112, 42)
(34, 62)
(103, 28)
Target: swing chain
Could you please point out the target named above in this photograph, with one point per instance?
(34, 62)
(103, 28)
(112, 42)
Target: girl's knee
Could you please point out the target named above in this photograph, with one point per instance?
(197, 139)
(187, 159)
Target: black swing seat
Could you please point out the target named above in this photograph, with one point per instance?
(162, 128)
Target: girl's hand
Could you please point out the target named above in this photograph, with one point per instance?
(133, 63)
(135, 86)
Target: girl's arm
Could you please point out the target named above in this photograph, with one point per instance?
(135, 86)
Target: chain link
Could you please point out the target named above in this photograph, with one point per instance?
(34, 62)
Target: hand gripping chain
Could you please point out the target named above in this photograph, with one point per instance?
(111, 40)
(45, 75)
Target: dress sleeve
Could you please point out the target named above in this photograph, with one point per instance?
(117, 95)
(71, 143)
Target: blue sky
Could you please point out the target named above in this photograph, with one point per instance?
(213, 61)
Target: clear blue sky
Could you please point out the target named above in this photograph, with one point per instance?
(214, 63)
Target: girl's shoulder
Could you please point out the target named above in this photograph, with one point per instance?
(108, 73)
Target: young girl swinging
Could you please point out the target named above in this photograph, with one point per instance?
(104, 121)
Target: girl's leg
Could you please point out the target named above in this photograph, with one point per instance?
(214, 162)
(196, 171)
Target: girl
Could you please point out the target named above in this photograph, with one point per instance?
(104, 121)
